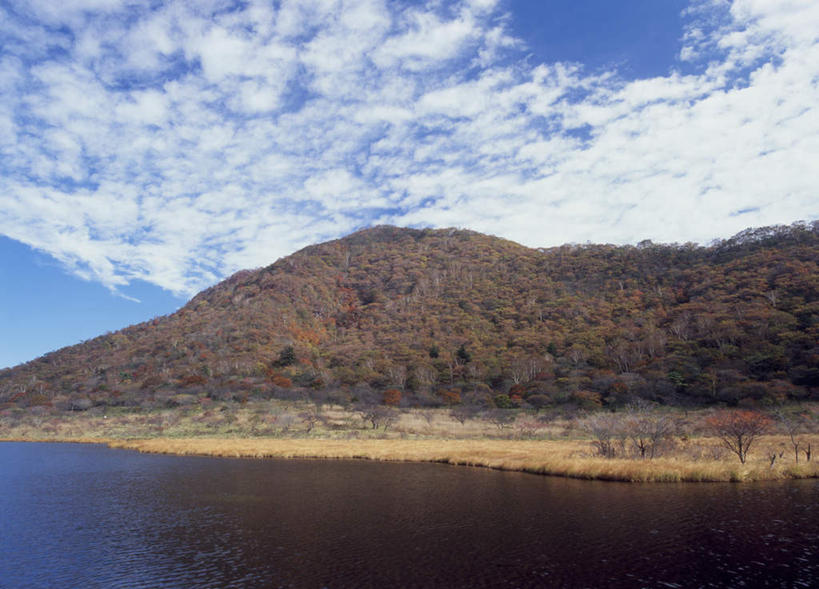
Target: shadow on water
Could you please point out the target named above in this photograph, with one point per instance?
(80, 515)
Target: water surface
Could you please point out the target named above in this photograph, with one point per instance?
(80, 515)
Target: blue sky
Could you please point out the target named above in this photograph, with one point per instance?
(149, 149)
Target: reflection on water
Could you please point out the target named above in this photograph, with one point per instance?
(77, 515)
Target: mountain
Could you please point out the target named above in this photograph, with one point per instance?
(449, 315)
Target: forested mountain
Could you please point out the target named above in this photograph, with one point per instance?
(447, 316)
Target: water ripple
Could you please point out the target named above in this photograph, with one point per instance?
(85, 516)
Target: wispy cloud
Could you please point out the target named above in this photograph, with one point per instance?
(178, 144)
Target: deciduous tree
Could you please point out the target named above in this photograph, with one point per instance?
(738, 429)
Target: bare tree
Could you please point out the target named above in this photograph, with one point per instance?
(500, 418)
(427, 416)
(793, 424)
(311, 418)
(463, 413)
(738, 429)
(530, 428)
(426, 375)
(648, 430)
(388, 416)
(607, 431)
(397, 374)
(379, 415)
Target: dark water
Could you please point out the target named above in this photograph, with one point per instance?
(87, 516)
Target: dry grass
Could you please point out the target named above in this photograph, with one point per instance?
(562, 458)
(256, 419)
(274, 430)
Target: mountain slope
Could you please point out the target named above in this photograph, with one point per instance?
(442, 314)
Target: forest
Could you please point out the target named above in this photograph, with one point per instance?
(454, 318)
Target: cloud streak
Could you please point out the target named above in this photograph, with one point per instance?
(179, 144)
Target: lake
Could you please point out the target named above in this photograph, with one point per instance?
(77, 515)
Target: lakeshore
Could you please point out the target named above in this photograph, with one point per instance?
(556, 458)
(539, 444)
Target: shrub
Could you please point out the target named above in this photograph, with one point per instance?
(391, 397)
(281, 381)
(450, 397)
(587, 399)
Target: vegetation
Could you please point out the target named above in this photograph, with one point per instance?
(639, 443)
(738, 430)
(448, 318)
(654, 362)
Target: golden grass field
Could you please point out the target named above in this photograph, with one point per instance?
(557, 448)
(560, 458)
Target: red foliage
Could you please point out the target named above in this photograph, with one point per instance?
(738, 429)
(589, 399)
(281, 381)
(392, 397)
(568, 318)
(450, 397)
(193, 380)
(517, 389)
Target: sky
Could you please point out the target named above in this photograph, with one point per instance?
(149, 149)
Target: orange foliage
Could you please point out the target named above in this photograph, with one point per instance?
(517, 389)
(588, 399)
(450, 397)
(193, 380)
(392, 397)
(281, 381)
(738, 429)
(311, 336)
(671, 317)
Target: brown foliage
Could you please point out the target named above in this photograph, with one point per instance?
(281, 381)
(731, 323)
(392, 397)
(738, 429)
(193, 380)
(450, 397)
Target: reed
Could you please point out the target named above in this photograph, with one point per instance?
(273, 429)
(560, 458)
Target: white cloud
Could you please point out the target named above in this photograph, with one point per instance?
(191, 140)
(426, 40)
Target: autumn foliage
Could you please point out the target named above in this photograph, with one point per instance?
(425, 311)
(738, 429)
(281, 381)
(392, 397)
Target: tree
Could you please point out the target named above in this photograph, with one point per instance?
(500, 418)
(539, 401)
(392, 397)
(397, 374)
(648, 430)
(287, 357)
(738, 429)
(463, 356)
(793, 423)
(310, 418)
(607, 431)
(462, 413)
(450, 397)
(379, 415)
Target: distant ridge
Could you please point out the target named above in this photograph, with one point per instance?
(452, 315)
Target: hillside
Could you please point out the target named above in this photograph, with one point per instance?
(447, 316)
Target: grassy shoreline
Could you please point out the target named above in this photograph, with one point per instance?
(565, 458)
(547, 444)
